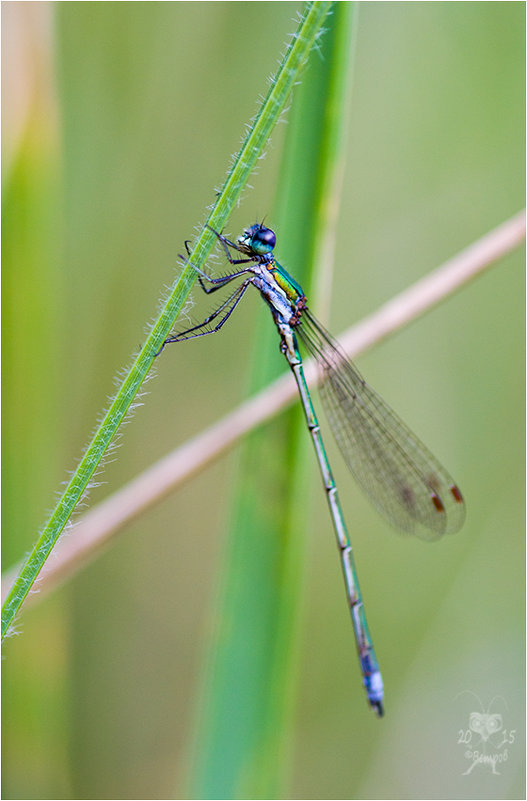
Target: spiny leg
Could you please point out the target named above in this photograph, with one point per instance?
(195, 331)
(217, 282)
(226, 243)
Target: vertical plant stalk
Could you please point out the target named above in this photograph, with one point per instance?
(253, 147)
(242, 741)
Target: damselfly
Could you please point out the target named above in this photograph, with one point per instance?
(398, 473)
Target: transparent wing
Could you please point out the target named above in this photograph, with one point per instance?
(402, 478)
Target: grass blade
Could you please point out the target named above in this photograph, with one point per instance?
(242, 748)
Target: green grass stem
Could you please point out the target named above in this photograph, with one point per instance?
(253, 147)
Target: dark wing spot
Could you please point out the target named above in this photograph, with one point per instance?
(408, 497)
(438, 503)
(456, 492)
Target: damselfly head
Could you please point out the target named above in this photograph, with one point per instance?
(258, 239)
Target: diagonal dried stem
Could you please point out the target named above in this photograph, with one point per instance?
(96, 528)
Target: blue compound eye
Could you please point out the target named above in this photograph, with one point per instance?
(263, 240)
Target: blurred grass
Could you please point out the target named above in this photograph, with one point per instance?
(253, 148)
(98, 693)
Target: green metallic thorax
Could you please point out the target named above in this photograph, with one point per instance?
(292, 289)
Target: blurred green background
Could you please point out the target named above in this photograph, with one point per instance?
(119, 121)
